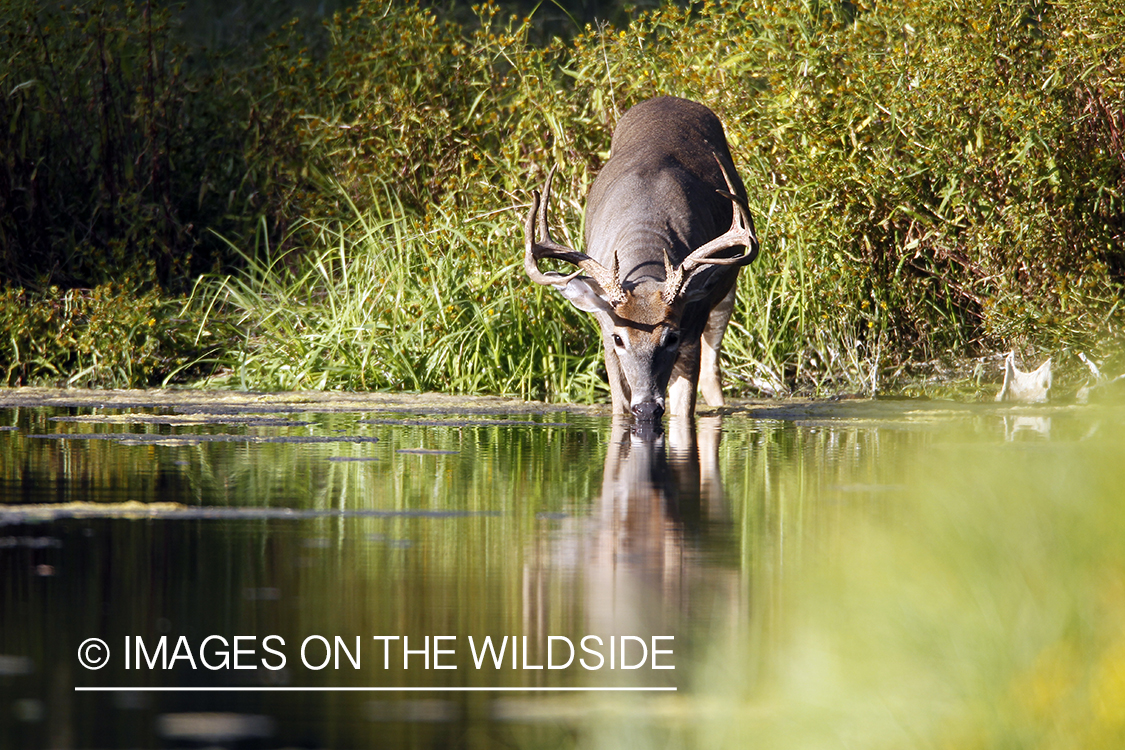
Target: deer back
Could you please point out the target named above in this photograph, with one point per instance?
(662, 188)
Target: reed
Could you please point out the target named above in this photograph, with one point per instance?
(380, 303)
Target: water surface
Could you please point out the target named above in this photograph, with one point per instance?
(865, 573)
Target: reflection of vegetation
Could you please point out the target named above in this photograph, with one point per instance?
(906, 577)
(910, 582)
(931, 182)
(916, 605)
(270, 474)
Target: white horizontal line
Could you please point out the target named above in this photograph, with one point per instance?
(368, 689)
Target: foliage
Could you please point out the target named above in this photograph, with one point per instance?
(107, 336)
(930, 183)
(380, 305)
(120, 152)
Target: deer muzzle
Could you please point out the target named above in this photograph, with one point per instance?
(647, 411)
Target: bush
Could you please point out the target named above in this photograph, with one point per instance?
(930, 184)
(121, 153)
(107, 336)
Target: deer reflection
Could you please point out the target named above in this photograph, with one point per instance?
(637, 554)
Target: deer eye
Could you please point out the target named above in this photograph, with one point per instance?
(618, 342)
(672, 340)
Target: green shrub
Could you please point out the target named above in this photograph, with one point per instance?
(108, 336)
(931, 183)
(120, 152)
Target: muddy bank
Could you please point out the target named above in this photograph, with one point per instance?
(218, 401)
(221, 402)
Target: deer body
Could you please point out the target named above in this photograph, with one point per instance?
(663, 218)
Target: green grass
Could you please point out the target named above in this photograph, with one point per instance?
(383, 304)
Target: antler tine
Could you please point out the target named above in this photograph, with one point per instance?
(544, 230)
(741, 232)
(535, 250)
(669, 269)
(740, 203)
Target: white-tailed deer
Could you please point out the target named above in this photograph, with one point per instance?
(658, 272)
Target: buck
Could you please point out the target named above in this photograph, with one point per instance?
(658, 272)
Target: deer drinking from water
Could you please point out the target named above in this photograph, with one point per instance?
(660, 265)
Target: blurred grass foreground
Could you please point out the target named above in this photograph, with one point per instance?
(335, 202)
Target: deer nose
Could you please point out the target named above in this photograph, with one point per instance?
(648, 411)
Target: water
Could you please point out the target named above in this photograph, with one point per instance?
(865, 574)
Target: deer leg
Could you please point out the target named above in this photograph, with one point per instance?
(684, 381)
(710, 377)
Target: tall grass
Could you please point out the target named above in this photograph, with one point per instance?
(381, 303)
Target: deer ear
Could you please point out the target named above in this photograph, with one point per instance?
(586, 295)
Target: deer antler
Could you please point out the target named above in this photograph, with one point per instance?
(741, 232)
(534, 251)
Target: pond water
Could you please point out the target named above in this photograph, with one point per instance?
(268, 572)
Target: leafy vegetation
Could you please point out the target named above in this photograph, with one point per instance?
(108, 336)
(118, 158)
(383, 306)
(931, 185)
